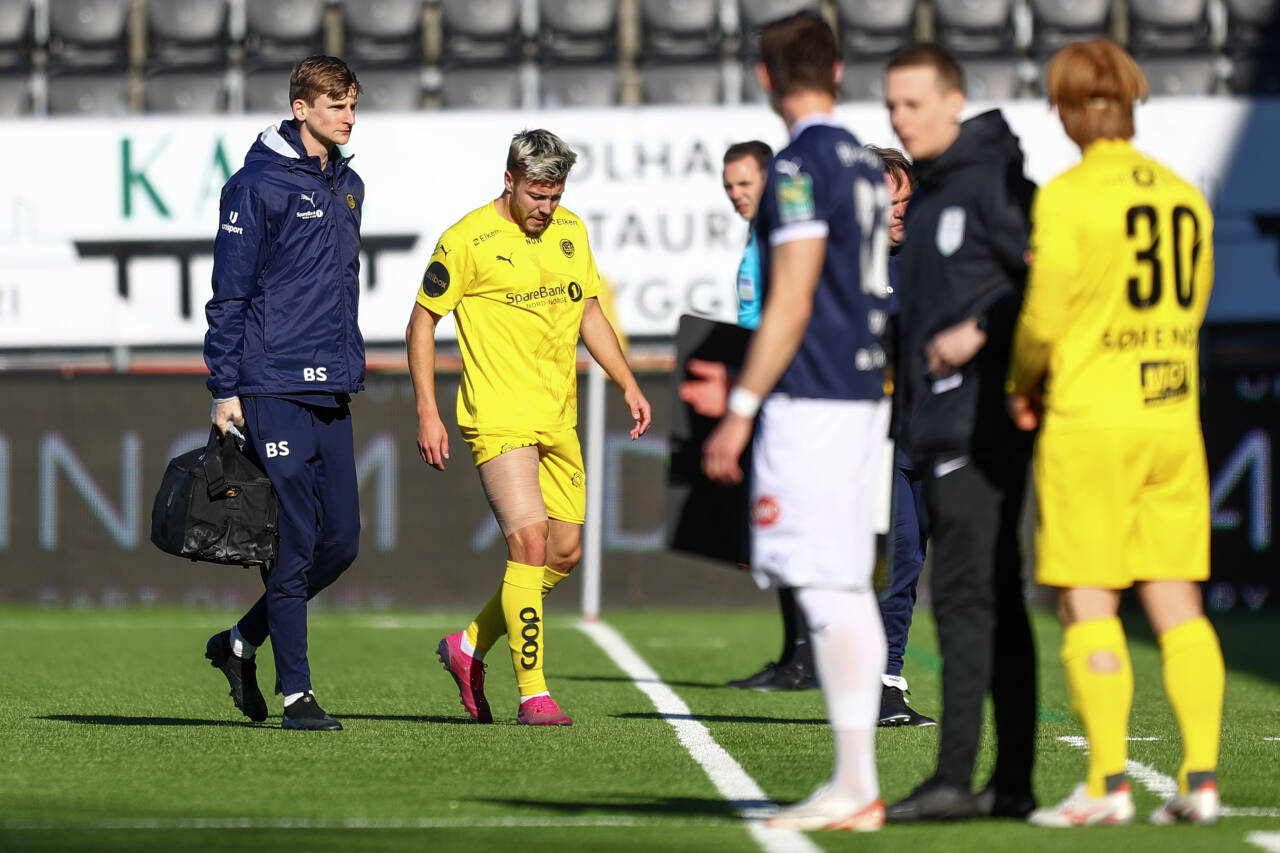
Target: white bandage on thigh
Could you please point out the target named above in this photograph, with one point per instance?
(510, 482)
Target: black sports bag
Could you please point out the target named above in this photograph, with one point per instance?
(215, 505)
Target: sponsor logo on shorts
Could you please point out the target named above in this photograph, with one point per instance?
(507, 448)
(566, 246)
(766, 511)
(577, 479)
(1164, 381)
(529, 632)
(435, 281)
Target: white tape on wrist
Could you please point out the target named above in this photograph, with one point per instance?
(743, 402)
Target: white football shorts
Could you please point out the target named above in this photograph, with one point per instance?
(818, 468)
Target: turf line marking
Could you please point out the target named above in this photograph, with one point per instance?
(724, 771)
(216, 823)
(1166, 786)
(1269, 841)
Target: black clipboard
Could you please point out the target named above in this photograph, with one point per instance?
(703, 518)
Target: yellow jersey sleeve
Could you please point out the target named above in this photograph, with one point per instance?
(449, 273)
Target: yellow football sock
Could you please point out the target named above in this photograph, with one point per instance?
(1100, 677)
(550, 578)
(522, 607)
(1194, 679)
(489, 624)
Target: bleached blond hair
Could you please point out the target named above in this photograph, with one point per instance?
(541, 156)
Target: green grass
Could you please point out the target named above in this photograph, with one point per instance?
(113, 721)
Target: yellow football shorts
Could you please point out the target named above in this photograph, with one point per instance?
(561, 474)
(1120, 505)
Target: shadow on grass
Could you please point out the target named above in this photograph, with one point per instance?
(647, 806)
(622, 679)
(720, 718)
(407, 718)
(116, 720)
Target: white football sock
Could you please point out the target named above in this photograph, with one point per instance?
(849, 652)
(294, 697)
(240, 647)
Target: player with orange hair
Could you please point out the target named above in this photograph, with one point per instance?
(1122, 266)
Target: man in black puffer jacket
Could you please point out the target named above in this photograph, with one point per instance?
(962, 270)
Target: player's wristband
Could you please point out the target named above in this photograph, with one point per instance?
(743, 402)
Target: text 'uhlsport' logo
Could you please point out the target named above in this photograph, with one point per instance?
(529, 633)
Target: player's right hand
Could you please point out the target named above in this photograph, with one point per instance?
(708, 393)
(433, 441)
(1026, 410)
(226, 413)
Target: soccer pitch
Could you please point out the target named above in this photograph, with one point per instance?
(119, 736)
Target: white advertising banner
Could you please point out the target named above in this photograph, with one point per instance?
(106, 226)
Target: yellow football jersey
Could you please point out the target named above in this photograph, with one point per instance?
(1121, 270)
(518, 304)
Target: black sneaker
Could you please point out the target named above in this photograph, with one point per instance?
(787, 676)
(894, 710)
(305, 714)
(933, 800)
(242, 676)
(994, 802)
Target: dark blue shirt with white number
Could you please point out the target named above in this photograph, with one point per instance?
(825, 184)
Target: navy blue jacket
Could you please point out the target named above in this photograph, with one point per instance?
(286, 275)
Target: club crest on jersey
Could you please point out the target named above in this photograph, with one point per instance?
(795, 198)
(950, 235)
(351, 201)
(566, 246)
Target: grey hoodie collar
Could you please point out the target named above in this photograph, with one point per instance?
(272, 139)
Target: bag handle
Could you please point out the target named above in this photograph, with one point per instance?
(213, 472)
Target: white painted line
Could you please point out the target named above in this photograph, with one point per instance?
(733, 783)
(1166, 786)
(1271, 738)
(1269, 841)
(199, 823)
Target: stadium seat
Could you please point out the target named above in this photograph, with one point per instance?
(975, 26)
(1181, 75)
(280, 32)
(191, 91)
(1254, 75)
(480, 31)
(1058, 22)
(1253, 26)
(266, 90)
(862, 81)
(15, 94)
(581, 86)
(682, 83)
(15, 35)
(578, 30)
(98, 94)
(754, 14)
(386, 88)
(875, 27)
(680, 29)
(87, 34)
(383, 31)
(482, 88)
(1168, 26)
(992, 79)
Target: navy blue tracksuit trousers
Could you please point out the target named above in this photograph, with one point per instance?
(910, 534)
(309, 454)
